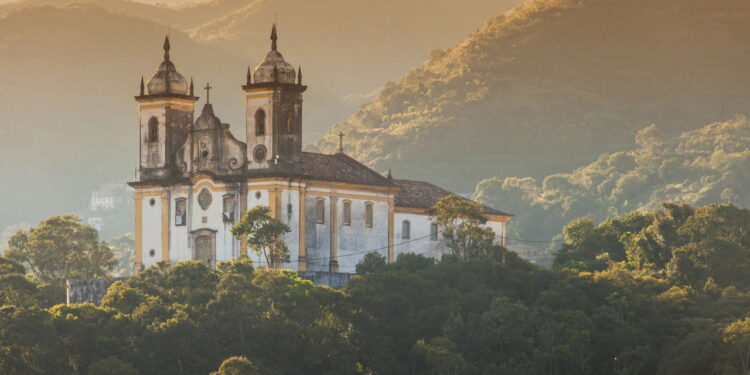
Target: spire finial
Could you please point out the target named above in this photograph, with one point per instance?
(143, 87)
(208, 93)
(341, 142)
(191, 87)
(390, 176)
(166, 48)
(299, 75)
(249, 76)
(273, 37)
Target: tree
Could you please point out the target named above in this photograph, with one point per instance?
(264, 234)
(460, 221)
(237, 366)
(371, 263)
(737, 336)
(111, 366)
(61, 248)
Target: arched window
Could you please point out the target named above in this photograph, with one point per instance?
(320, 211)
(433, 232)
(260, 122)
(153, 129)
(347, 214)
(368, 215)
(228, 208)
(405, 230)
(180, 211)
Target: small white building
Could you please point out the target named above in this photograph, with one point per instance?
(196, 180)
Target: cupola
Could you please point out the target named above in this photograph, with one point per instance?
(167, 80)
(274, 68)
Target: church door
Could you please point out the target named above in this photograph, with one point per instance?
(204, 250)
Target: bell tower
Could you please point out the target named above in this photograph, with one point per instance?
(166, 106)
(273, 112)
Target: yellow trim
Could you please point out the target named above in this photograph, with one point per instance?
(410, 210)
(243, 209)
(334, 236)
(165, 227)
(302, 226)
(183, 107)
(167, 100)
(391, 219)
(138, 232)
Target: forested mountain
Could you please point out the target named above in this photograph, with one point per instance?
(69, 70)
(703, 166)
(553, 84)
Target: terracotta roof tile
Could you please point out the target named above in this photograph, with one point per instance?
(340, 168)
(424, 195)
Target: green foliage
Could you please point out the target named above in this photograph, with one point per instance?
(61, 248)
(264, 235)
(703, 166)
(371, 263)
(460, 222)
(703, 248)
(111, 366)
(237, 366)
(640, 314)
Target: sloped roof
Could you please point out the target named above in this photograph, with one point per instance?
(424, 195)
(340, 168)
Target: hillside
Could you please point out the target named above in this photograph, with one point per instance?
(68, 72)
(699, 167)
(553, 84)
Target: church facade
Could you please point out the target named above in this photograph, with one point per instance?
(195, 181)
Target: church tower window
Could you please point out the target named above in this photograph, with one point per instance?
(180, 212)
(368, 215)
(320, 211)
(347, 214)
(405, 230)
(153, 129)
(260, 122)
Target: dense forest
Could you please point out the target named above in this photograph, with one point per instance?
(703, 166)
(659, 292)
(551, 85)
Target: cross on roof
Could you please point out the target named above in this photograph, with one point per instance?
(208, 93)
(341, 142)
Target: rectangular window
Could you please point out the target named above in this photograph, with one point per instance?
(228, 209)
(433, 232)
(180, 212)
(320, 211)
(347, 215)
(368, 215)
(406, 230)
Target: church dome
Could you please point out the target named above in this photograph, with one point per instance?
(274, 68)
(167, 80)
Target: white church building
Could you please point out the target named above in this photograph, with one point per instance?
(195, 181)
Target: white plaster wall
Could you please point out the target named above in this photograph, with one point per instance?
(317, 236)
(419, 241)
(151, 230)
(355, 240)
(499, 228)
(179, 241)
(252, 104)
(292, 238)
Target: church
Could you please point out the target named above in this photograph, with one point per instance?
(195, 180)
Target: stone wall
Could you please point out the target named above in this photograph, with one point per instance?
(88, 290)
